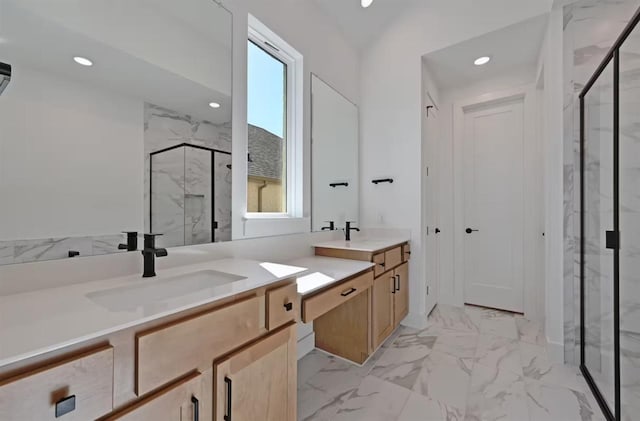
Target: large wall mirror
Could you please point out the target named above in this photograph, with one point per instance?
(115, 115)
(335, 171)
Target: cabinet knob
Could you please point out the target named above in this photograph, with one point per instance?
(288, 306)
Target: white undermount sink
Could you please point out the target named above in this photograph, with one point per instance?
(155, 291)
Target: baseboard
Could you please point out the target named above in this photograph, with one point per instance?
(306, 345)
(555, 351)
(415, 321)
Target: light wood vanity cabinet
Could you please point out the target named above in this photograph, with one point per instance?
(188, 399)
(168, 352)
(258, 381)
(383, 314)
(172, 369)
(78, 388)
(401, 294)
(389, 294)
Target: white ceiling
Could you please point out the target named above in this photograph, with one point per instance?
(512, 49)
(361, 26)
(39, 41)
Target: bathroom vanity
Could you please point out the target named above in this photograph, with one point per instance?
(210, 341)
(353, 317)
(100, 351)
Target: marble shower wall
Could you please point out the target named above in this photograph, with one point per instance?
(630, 223)
(182, 178)
(590, 29)
(37, 250)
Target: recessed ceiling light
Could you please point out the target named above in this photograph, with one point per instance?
(214, 105)
(366, 3)
(482, 60)
(83, 61)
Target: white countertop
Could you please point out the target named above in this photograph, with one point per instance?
(364, 244)
(324, 271)
(37, 322)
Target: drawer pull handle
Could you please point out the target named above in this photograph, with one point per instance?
(196, 408)
(398, 282)
(227, 417)
(348, 292)
(381, 264)
(65, 405)
(288, 306)
(407, 252)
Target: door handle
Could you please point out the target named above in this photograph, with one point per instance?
(196, 408)
(437, 230)
(470, 230)
(227, 417)
(288, 306)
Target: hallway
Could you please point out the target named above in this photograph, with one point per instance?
(470, 364)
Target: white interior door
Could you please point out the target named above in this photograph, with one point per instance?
(493, 205)
(430, 206)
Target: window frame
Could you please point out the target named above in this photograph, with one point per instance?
(275, 46)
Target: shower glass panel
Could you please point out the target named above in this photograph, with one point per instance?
(190, 195)
(629, 140)
(598, 218)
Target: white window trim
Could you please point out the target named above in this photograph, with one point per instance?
(267, 39)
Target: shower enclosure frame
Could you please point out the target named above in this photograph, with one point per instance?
(213, 151)
(613, 237)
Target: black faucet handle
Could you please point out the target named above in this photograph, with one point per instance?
(123, 246)
(161, 252)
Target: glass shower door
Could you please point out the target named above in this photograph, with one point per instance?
(598, 208)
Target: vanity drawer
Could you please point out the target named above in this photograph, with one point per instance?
(169, 352)
(79, 388)
(281, 305)
(323, 302)
(379, 267)
(393, 257)
(406, 252)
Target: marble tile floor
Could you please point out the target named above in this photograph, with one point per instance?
(470, 364)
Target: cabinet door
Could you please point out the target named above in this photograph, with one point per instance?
(188, 399)
(259, 381)
(401, 296)
(382, 310)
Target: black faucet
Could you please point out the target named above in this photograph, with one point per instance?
(331, 227)
(132, 241)
(347, 230)
(150, 252)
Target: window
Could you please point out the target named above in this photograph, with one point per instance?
(274, 89)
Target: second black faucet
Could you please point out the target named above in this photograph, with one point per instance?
(347, 230)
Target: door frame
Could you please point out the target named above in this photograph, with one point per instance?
(430, 214)
(532, 287)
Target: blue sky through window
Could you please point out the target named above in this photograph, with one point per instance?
(266, 91)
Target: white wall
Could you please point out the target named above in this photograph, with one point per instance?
(391, 108)
(71, 158)
(552, 60)
(326, 53)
